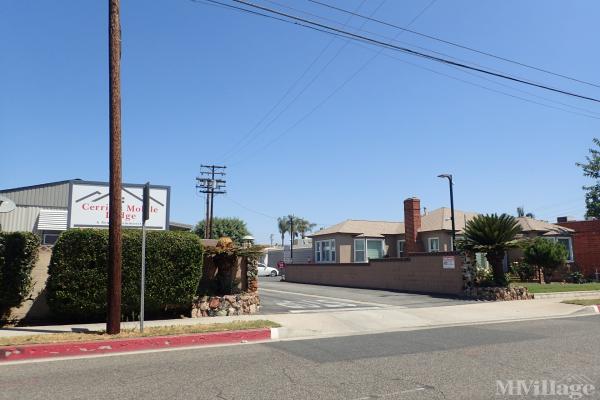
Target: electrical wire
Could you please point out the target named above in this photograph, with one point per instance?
(336, 90)
(455, 44)
(305, 88)
(376, 42)
(249, 137)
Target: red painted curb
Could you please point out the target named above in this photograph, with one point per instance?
(23, 352)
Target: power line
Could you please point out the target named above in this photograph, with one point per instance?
(248, 137)
(416, 53)
(343, 84)
(308, 85)
(586, 113)
(454, 44)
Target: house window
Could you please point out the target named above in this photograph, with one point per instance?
(400, 247)
(374, 248)
(360, 254)
(434, 244)
(325, 251)
(368, 249)
(566, 241)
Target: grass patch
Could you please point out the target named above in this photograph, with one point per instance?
(134, 333)
(583, 302)
(557, 287)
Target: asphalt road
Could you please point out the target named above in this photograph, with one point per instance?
(445, 363)
(286, 297)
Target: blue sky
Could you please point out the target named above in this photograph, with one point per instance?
(196, 79)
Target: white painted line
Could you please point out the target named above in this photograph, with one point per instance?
(330, 310)
(381, 396)
(275, 333)
(327, 297)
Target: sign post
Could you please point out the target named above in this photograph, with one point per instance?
(145, 217)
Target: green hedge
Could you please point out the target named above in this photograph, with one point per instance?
(77, 282)
(18, 255)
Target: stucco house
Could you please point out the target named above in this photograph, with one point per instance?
(357, 241)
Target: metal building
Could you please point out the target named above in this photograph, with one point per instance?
(50, 208)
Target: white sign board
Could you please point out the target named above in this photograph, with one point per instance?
(448, 262)
(88, 206)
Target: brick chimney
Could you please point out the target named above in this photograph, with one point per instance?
(412, 224)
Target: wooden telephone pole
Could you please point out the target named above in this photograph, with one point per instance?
(209, 182)
(113, 320)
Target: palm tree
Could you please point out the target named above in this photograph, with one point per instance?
(303, 226)
(493, 235)
(283, 224)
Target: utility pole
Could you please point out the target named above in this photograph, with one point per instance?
(210, 182)
(291, 239)
(451, 183)
(113, 320)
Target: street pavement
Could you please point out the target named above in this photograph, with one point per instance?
(277, 296)
(443, 363)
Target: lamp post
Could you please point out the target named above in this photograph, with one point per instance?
(449, 177)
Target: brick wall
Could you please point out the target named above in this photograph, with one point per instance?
(586, 245)
(417, 273)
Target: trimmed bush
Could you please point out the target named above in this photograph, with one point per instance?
(18, 255)
(77, 282)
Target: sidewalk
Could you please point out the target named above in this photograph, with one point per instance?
(373, 320)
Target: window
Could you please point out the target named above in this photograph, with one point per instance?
(375, 248)
(566, 241)
(325, 251)
(367, 249)
(360, 254)
(49, 239)
(434, 244)
(400, 247)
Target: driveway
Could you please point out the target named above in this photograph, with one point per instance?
(286, 297)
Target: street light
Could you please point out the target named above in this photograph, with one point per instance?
(449, 177)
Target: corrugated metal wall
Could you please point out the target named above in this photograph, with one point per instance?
(41, 196)
(20, 219)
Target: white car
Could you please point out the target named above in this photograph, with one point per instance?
(263, 270)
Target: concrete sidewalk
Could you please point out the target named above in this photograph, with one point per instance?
(363, 321)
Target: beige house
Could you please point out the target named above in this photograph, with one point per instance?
(357, 241)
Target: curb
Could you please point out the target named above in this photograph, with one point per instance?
(594, 308)
(567, 295)
(66, 349)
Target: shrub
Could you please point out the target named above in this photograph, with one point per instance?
(576, 277)
(523, 271)
(546, 255)
(77, 282)
(18, 255)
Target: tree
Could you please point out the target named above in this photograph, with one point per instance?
(283, 224)
(591, 169)
(302, 226)
(546, 255)
(233, 228)
(521, 213)
(493, 235)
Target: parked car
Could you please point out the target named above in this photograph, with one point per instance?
(263, 270)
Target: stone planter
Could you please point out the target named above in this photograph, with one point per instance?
(218, 306)
(499, 293)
